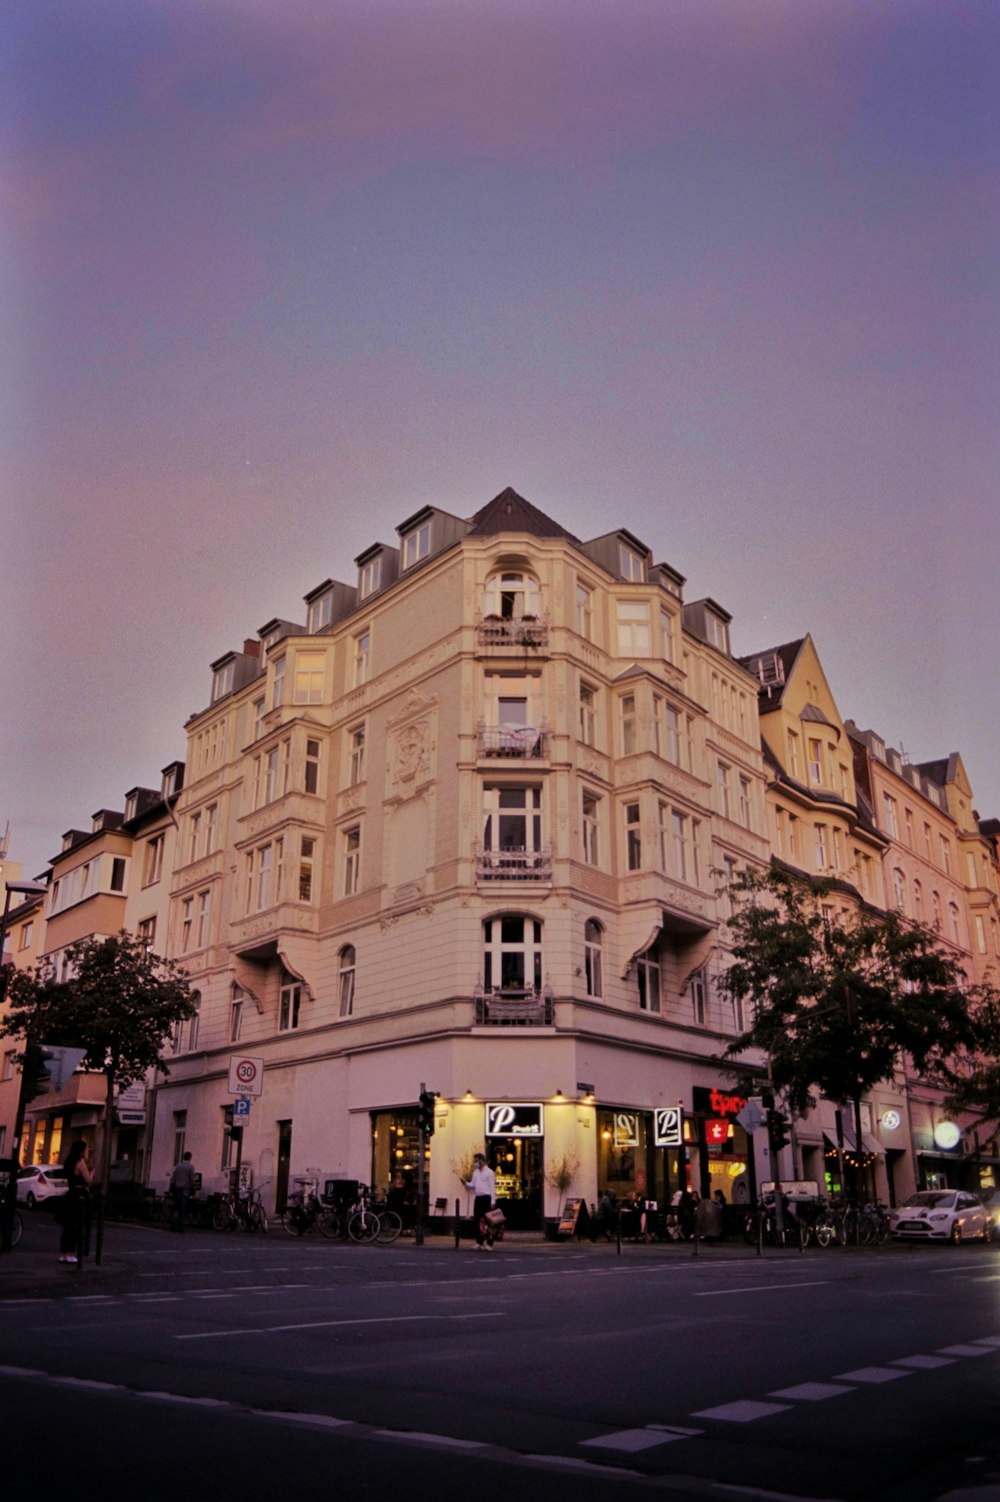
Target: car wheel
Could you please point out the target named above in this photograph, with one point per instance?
(956, 1234)
(29, 1200)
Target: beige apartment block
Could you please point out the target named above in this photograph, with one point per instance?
(86, 899)
(464, 826)
(940, 870)
(25, 927)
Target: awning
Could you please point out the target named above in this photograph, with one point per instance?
(868, 1142)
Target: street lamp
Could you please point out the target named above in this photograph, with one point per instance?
(23, 889)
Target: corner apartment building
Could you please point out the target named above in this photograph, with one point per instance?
(25, 926)
(464, 827)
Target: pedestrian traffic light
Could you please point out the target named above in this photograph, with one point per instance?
(425, 1112)
(777, 1131)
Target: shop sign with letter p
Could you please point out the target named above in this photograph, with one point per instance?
(246, 1076)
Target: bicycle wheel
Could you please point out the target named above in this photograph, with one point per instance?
(258, 1216)
(329, 1223)
(363, 1226)
(866, 1231)
(823, 1231)
(223, 1218)
(389, 1227)
(16, 1228)
(294, 1222)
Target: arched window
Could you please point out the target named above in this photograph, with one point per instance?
(918, 902)
(936, 911)
(953, 923)
(512, 954)
(593, 939)
(511, 594)
(899, 890)
(348, 966)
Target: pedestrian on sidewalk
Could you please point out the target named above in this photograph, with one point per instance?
(183, 1185)
(484, 1188)
(73, 1208)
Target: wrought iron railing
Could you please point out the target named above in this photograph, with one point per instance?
(513, 865)
(504, 631)
(512, 740)
(514, 1006)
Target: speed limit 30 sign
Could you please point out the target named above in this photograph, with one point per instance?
(246, 1076)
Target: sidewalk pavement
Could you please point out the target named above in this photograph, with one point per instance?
(32, 1268)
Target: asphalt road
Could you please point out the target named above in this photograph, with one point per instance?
(201, 1363)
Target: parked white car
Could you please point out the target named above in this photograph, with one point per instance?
(942, 1215)
(42, 1181)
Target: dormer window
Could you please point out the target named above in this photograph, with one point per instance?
(716, 631)
(416, 544)
(169, 783)
(370, 577)
(320, 612)
(131, 806)
(222, 681)
(631, 564)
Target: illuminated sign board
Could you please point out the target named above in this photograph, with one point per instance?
(504, 1119)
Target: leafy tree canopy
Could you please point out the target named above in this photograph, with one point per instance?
(835, 1001)
(119, 1001)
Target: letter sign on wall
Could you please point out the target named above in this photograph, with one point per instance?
(506, 1120)
(668, 1126)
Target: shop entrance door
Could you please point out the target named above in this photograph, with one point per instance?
(517, 1163)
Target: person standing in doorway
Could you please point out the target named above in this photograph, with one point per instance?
(484, 1188)
(183, 1185)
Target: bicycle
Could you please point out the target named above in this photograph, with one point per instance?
(247, 1212)
(306, 1212)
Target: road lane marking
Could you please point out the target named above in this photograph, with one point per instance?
(329, 1324)
(923, 1363)
(716, 1293)
(871, 1374)
(962, 1350)
(629, 1440)
(745, 1412)
(811, 1392)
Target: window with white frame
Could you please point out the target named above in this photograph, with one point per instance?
(27, 929)
(696, 985)
(936, 911)
(352, 860)
(511, 594)
(289, 1003)
(918, 902)
(187, 923)
(685, 832)
(370, 577)
(663, 830)
(593, 939)
(588, 715)
(633, 837)
(204, 917)
(194, 836)
(348, 971)
(312, 766)
(180, 1132)
(512, 819)
(512, 953)
(278, 682)
(152, 867)
(954, 925)
(356, 743)
(717, 631)
(980, 934)
(628, 724)
(633, 629)
(236, 1001)
(211, 828)
(911, 838)
(310, 670)
(416, 544)
(307, 858)
(590, 805)
(793, 753)
(259, 710)
(745, 810)
(672, 721)
(667, 635)
(815, 762)
(889, 821)
(362, 658)
(822, 848)
(722, 773)
(265, 872)
(631, 564)
(320, 613)
(647, 972)
(8, 1063)
(194, 1022)
(945, 849)
(585, 612)
(899, 890)
(222, 681)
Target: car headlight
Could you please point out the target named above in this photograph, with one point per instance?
(938, 1215)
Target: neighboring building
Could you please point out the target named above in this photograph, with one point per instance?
(468, 830)
(86, 899)
(940, 871)
(24, 931)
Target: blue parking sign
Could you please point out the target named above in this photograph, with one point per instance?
(241, 1106)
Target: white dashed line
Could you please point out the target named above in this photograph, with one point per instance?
(811, 1392)
(745, 1412)
(977, 1350)
(870, 1374)
(924, 1363)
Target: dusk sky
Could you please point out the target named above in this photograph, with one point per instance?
(278, 272)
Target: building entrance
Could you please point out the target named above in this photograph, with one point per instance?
(517, 1163)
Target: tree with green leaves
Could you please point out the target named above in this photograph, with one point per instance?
(973, 1079)
(834, 1002)
(119, 1001)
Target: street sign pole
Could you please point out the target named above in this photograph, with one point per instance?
(418, 1229)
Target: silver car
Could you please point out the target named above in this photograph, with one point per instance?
(942, 1215)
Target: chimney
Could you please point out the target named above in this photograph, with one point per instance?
(251, 647)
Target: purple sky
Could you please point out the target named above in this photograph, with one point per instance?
(278, 272)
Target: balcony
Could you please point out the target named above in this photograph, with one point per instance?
(510, 632)
(514, 1006)
(514, 741)
(513, 865)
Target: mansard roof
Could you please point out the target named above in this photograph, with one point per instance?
(510, 512)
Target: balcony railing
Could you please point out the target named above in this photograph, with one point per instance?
(513, 865)
(502, 631)
(512, 740)
(514, 1006)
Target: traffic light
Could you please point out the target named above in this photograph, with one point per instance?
(45, 1067)
(425, 1112)
(777, 1131)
